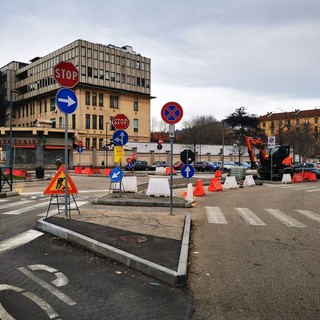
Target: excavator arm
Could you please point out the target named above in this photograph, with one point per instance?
(256, 142)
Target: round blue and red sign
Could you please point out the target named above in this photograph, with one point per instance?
(171, 112)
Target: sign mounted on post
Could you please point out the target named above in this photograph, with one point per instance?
(171, 112)
(120, 138)
(66, 74)
(58, 184)
(272, 142)
(66, 100)
(120, 122)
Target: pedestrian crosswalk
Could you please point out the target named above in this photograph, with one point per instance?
(215, 215)
(296, 186)
(9, 207)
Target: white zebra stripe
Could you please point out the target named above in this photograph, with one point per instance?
(249, 217)
(215, 215)
(310, 214)
(285, 219)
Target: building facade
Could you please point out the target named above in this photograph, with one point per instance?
(299, 129)
(274, 123)
(112, 80)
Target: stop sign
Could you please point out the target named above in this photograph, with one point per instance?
(120, 122)
(66, 74)
(80, 143)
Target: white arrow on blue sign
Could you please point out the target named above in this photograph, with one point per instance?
(120, 138)
(116, 174)
(80, 149)
(187, 171)
(66, 100)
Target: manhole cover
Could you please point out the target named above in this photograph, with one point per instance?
(134, 239)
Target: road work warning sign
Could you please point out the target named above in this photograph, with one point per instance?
(57, 184)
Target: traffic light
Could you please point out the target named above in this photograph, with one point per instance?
(43, 140)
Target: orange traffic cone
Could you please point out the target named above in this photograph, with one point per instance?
(215, 185)
(168, 170)
(199, 189)
(218, 174)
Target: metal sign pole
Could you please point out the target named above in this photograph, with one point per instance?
(171, 133)
(66, 167)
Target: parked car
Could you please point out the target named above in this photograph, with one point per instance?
(137, 165)
(178, 165)
(307, 167)
(156, 164)
(203, 166)
(243, 164)
(227, 165)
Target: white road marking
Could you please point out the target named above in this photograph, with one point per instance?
(287, 220)
(40, 302)
(249, 217)
(215, 215)
(17, 203)
(55, 210)
(19, 240)
(310, 214)
(313, 190)
(25, 209)
(60, 295)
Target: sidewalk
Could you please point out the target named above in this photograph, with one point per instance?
(138, 231)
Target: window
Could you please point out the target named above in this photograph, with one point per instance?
(307, 120)
(53, 120)
(95, 73)
(83, 70)
(94, 121)
(88, 98)
(107, 75)
(94, 98)
(138, 82)
(87, 143)
(73, 120)
(118, 60)
(100, 143)
(52, 104)
(101, 55)
(101, 75)
(95, 54)
(100, 99)
(114, 102)
(107, 57)
(297, 121)
(112, 58)
(112, 128)
(316, 120)
(135, 104)
(83, 51)
(138, 65)
(94, 142)
(123, 78)
(135, 125)
(89, 72)
(45, 105)
(113, 76)
(60, 122)
(87, 121)
(117, 77)
(100, 122)
(89, 53)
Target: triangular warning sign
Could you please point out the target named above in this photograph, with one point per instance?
(57, 184)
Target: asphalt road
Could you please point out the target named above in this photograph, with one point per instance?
(250, 259)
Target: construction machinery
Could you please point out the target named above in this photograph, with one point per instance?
(272, 165)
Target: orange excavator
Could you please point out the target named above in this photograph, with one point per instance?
(272, 165)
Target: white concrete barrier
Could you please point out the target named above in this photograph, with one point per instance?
(158, 187)
(230, 183)
(249, 181)
(160, 170)
(130, 184)
(286, 178)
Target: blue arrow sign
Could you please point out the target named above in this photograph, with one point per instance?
(80, 149)
(116, 174)
(120, 138)
(66, 100)
(187, 171)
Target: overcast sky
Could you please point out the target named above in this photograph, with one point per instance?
(211, 56)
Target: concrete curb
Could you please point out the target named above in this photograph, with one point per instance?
(143, 203)
(171, 277)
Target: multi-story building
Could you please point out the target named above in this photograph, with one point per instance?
(112, 80)
(273, 123)
(299, 128)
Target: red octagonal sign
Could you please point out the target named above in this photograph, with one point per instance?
(120, 122)
(66, 74)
